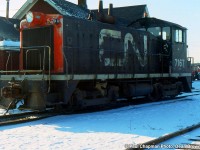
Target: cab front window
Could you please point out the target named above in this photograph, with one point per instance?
(162, 32)
(166, 33)
(156, 31)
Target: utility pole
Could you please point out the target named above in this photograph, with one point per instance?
(7, 9)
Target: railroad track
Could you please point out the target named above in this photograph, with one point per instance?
(25, 117)
(157, 143)
(37, 115)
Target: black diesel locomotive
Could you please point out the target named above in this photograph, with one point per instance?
(80, 62)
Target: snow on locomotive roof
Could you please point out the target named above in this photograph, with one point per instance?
(61, 6)
(9, 45)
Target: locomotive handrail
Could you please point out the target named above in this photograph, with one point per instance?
(43, 69)
(21, 71)
(7, 61)
(66, 61)
(27, 51)
(35, 71)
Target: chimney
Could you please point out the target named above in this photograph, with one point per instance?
(82, 3)
(7, 9)
(100, 10)
(110, 10)
(105, 18)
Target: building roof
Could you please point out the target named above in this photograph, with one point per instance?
(7, 30)
(57, 6)
(124, 15)
(129, 13)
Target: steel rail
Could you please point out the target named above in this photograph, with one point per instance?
(36, 115)
(24, 117)
(165, 137)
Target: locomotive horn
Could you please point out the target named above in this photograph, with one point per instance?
(82, 3)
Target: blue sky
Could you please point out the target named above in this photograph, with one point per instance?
(183, 12)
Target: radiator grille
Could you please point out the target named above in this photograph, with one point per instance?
(33, 58)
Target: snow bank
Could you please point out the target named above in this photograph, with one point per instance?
(53, 137)
(9, 45)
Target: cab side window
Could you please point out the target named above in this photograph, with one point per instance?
(178, 36)
(184, 37)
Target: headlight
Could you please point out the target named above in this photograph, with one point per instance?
(29, 17)
(35, 18)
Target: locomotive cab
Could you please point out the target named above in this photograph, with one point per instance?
(172, 43)
(180, 64)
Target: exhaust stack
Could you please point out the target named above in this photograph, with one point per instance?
(82, 3)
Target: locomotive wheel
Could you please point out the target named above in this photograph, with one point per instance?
(73, 102)
(157, 93)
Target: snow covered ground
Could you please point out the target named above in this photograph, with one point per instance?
(104, 130)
